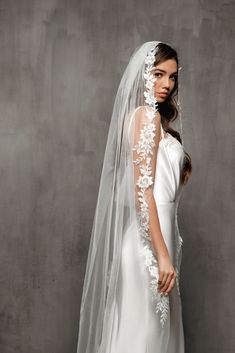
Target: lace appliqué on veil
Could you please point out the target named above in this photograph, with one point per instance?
(144, 149)
(178, 255)
(177, 268)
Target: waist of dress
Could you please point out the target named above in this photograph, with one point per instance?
(168, 206)
(174, 202)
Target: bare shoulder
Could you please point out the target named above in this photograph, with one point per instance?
(158, 115)
(142, 116)
(158, 119)
(141, 109)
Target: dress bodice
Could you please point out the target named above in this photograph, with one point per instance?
(169, 164)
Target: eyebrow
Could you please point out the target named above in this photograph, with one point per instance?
(174, 73)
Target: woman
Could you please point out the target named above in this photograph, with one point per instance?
(131, 299)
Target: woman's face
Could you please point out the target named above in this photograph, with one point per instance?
(165, 74)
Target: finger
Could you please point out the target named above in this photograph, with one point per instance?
(171, 285)
(161, 275)
(169, 278)
(164, 288)
(163, 281)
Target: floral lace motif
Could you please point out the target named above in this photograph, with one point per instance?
(178, 253)
(144, 149)
(178, 256)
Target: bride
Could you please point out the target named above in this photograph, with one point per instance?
(131, 296)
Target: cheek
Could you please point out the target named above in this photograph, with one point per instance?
(157, 84)
(172, 86)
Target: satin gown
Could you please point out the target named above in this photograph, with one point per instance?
(136, 327)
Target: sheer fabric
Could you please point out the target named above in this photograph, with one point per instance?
(120, 286)
(147, 133)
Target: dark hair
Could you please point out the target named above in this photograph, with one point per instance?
(168, 109)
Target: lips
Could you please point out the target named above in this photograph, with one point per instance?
(163, 94)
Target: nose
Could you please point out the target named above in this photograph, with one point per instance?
(166, 82)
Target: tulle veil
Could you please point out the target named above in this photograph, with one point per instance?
(116, 205)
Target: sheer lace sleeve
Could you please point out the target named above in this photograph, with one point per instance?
(146, 139)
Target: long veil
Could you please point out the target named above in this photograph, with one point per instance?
(118, 205)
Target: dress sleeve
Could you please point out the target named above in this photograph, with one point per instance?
(146, 138)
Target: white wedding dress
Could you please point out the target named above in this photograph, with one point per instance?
(136, 327)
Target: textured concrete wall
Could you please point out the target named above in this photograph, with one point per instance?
(60, 65)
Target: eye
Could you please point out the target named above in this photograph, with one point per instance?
(158, 74)
(174, 78)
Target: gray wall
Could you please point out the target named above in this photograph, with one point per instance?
(60, 65)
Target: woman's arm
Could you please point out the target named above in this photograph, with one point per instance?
(147, 134)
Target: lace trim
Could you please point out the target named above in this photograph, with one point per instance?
(144, 149)
(178, 254)
(161, 302)
(179, 245)
(177, 269)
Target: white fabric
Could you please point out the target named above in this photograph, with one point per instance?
(122, 310)
(136, 328)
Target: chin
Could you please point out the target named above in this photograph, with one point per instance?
(161, 100)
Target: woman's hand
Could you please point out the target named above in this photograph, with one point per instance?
(167, 274)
